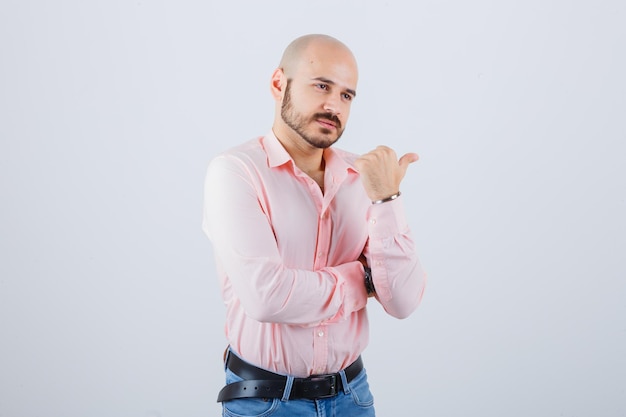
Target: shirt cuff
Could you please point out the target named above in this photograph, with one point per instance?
(351, 285)
(387, 219)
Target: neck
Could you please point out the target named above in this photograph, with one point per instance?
(306, 157)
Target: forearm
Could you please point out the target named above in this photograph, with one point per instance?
(396, 270)
(267, 287)
(270, 292)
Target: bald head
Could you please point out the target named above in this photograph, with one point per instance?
(313, 89)
(309, 48)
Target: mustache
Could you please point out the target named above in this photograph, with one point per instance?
(328, 116)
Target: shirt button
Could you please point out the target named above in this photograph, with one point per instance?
(320, 254)
(373, 221)
(320, 334)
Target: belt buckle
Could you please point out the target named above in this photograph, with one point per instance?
(331, 379)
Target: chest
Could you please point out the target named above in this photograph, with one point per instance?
(314, 228)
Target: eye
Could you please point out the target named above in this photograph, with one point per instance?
(322, 86)
(347, 97)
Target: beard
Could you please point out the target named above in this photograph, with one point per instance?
(298, 122)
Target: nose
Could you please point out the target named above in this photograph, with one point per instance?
(331, 105)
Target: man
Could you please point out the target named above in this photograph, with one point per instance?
(296, 226)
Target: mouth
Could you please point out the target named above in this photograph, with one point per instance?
(328, 124)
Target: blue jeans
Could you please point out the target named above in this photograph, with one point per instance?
(354, 401)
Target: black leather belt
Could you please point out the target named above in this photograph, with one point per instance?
(259, 383)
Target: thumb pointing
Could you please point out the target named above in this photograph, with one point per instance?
(407, 159)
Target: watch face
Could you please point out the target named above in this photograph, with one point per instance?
(369, 282)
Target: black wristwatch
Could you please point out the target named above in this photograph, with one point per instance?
(369, 283)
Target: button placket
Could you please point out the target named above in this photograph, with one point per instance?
(320, 350)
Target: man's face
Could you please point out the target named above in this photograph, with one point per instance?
(316, 102)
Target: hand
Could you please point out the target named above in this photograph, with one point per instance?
(381, 171)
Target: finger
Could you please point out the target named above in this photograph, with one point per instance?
(404, 162)
(408, 158)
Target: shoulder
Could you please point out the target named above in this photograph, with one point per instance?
(249, 153)
(249, 149)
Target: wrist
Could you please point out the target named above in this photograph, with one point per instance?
(390, 198)
(369, 282)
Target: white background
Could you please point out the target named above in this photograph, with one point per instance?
(111, 110)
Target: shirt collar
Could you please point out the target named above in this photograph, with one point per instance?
(277, 156)
(276, 153)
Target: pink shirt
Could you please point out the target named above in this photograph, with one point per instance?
(287, 255)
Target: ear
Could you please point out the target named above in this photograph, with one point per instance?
(278, 83)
